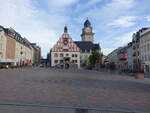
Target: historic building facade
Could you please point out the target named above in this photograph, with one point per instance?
(87, 32)
(136, 49)
(77, 51)
(113, 57)
(87, 44)
(10, 45)
(36, 54)
(145, 50)
(14, 49)
(130, 56)
(3, 41)
(65, 51)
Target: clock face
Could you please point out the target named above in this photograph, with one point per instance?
(65, 41)
(87, 30)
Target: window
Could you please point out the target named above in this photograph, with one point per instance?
(56, 61)
(145, 57)
(72, 55)
(76, 55)
(148, 47)
(61, 55)
(149, 57)
(21, 52)
(1, 55)
(147, 68)
(138, 53)
(1, 46)
(65, 50)
(55, 55)
(67, 54)
(88, 51)
(83, 50)
(75, 61)
(72, 61)
(142, 58)
(61, 61)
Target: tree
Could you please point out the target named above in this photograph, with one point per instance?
(95, 59)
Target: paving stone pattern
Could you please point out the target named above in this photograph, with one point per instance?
(73, 88)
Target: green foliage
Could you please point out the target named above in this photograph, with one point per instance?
(95, 59)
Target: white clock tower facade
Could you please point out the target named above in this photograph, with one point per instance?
(87, 32)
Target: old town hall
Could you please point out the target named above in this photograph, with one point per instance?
(67, 52)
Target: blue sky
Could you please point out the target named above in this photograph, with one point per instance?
(42, 21)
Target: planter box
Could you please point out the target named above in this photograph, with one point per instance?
(139, 75)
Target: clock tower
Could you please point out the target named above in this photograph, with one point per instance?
(87, 32)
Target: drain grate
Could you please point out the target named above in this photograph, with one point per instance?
(81, 110)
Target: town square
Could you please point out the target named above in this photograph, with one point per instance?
(73, 56)
(72, 88)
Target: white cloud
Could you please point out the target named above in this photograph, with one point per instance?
(62, 2)
(123, 39)
(148, 18)
(107, 12)
(34, 24)
(124, 21)
(90, 3)
(106, 51)
(121, 4)
(119, 41)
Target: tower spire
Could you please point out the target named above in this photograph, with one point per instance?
(65, 29)
(87, 33)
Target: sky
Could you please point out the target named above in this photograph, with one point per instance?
(43, 21)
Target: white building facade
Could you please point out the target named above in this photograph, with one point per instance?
(65, 51)
(130, 56)
(3, 41)
(145, 50)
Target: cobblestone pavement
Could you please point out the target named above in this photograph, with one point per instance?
(73, 88)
